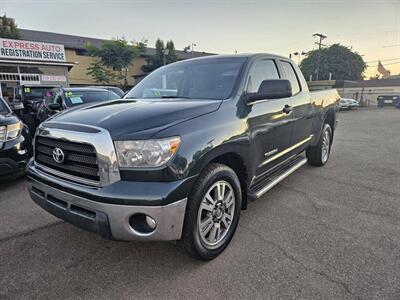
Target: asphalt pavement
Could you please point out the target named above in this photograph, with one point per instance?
(322, 233)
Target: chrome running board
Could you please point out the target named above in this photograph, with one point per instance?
(275, 180)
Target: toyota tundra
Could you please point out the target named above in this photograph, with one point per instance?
(184, 152)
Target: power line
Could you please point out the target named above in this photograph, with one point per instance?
(388, 59)
(369, 33)
(395, 63)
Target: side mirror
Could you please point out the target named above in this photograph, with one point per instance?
(55, 106)
(272, 89)
(17, 106)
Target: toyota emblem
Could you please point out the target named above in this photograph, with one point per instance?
(58, 155)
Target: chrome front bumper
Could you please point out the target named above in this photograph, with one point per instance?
(110, 220)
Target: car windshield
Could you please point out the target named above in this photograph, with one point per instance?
(3, 107)
(198, 79)
(73, 98)
(35, 92)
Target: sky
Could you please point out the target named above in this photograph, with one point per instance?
(372, 28)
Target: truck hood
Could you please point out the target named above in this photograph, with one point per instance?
(128, 119)
(8, 119)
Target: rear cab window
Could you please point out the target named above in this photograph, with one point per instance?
(290, 74)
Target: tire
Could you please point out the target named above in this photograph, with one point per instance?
(29, 121)
(319, 154)
(218, 230)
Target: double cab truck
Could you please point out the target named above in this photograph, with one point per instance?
(184, 152)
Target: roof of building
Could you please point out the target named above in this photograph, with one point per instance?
(79, 42)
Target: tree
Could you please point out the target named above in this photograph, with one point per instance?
(100, 73)
(157, 60)
(9, 29)
(117, 55)
(171, 56)
(341, 61)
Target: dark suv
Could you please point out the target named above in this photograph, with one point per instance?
(388, 100)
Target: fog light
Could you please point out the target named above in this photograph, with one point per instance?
(150, 222)
(142, 223)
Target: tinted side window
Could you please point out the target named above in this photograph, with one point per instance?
(261, 70)
(291, 76)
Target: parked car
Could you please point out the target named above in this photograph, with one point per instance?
(346, 103)
(114, 89)
(388, 100)
(26, 102)
(59, 99)
(15, 143)
(184, 152)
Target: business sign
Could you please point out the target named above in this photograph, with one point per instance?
(16, 49)
(53, 78)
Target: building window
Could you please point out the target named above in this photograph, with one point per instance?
(81, 52)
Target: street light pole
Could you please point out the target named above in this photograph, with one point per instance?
(193, 45)
(298, 54)
(165, 53)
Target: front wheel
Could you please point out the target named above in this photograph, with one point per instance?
(212, 213)
(319, 154)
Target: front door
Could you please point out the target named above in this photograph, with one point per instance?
(269, 126)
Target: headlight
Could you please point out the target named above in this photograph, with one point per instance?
(13, 131)
(2, 135)
(146, 154)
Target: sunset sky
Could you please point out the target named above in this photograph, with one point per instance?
(370, 27)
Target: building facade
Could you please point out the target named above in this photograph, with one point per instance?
(28, 63)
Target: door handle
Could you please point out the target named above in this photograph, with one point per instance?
(287, 109)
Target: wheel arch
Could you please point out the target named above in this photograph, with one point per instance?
(236, 160)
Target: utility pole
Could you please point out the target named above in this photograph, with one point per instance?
(321, 38)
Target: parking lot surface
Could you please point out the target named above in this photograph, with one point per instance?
(322, 233)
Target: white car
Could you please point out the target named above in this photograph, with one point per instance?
(346, 103)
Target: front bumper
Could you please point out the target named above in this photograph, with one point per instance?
(14, 156)
(106, 211)
(109, 220)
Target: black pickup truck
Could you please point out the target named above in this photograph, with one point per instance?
(184, 151)
(15, 144)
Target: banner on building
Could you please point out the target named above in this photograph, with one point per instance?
(35, 51)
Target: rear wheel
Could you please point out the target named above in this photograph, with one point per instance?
(319, 155)
(213, 212)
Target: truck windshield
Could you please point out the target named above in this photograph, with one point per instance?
(3, 108)
(73, 98)
(198, 79)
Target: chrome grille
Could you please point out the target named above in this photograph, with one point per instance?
(79, 159)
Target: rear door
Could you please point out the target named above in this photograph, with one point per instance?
(301, 106)
(270, 128)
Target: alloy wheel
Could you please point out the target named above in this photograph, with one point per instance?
(216, 213)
